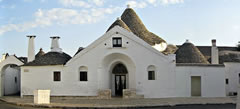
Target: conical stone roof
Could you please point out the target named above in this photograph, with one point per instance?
(131, 19)
(120, 23)
(40, 53)
(188, 53)
(50, 58)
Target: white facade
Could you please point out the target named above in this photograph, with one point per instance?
(41, 77)
(212, 80)
(100, 58)
(8, 74)
(233, 77)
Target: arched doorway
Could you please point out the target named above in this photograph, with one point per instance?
(10, 62)
(120, 72)
(10, 75)
(116, 61)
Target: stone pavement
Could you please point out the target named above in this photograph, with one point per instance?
(74, 102)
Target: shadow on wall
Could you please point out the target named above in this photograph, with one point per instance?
(10, 80)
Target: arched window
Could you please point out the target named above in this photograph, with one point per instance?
(151, 72)
(83, 73)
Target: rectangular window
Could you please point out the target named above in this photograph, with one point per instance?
(56, 76)
(83, 76)
(15, 79)
(151, 75)
(227, 81)
(239, 78)
(117, 41)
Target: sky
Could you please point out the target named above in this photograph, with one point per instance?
(80, 22)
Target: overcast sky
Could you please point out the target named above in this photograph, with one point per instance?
(80, 22)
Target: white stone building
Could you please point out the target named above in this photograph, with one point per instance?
(10, 75)
(128, 56)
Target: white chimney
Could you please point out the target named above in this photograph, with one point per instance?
(214, 52)
(31, 50)
(55, 45)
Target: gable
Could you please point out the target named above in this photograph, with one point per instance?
(10, 60)
(118, 31)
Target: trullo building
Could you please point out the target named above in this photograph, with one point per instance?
(128, 58)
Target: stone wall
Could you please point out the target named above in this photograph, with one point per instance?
(129, 93)
(104, 94)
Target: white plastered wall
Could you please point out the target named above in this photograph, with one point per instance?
(212, 80)
(8, 61)
(232, 74)
(99, 57)
(41, 77)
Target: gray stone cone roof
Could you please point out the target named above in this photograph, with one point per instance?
(188, 53)
(120, 23)
(50, 58)
(225, 53)
(171, 49)
(40, 53)
(131, 19)
(23, 59)
(229, 56)
(79, 50)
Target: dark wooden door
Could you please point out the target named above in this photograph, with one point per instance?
(120, 84)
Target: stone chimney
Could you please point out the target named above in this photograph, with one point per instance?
(214, 52)
(55, 45)
(31, 50)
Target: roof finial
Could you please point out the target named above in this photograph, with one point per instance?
(187, 41)
(118, 18)
(128, 6)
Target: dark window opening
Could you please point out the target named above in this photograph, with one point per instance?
(117, 41)
(227, 81)
(56, 76)
(239, 78)
(151, 75)
(83, 76)
(235, 93)
(15, 79)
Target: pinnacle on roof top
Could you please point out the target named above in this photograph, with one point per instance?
(187, 41)
(128, 6)
(40, 53)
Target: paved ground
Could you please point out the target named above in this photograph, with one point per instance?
(63, 102)
(216, 106)
(4, 105)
